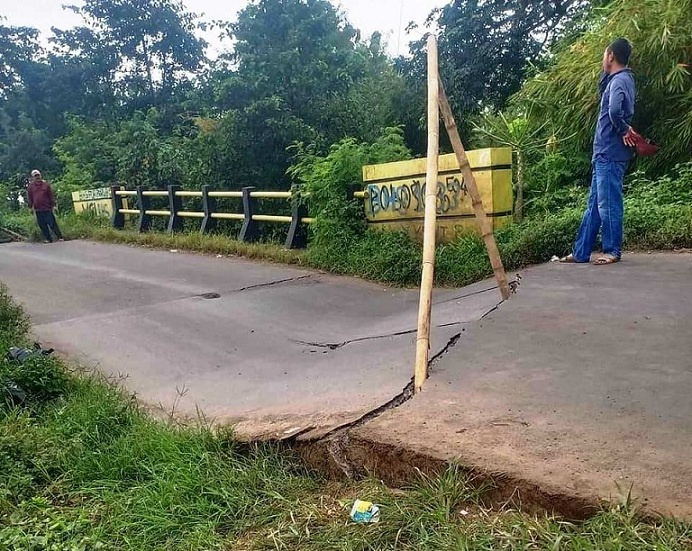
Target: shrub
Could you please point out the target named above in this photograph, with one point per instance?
(20, 222)
(341, 241)
(557, 181)
(39, 378)
(672, 189)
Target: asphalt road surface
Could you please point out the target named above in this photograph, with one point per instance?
(581, 384)
(275, 350)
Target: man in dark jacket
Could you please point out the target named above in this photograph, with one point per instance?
(42, 202)
(612, 152)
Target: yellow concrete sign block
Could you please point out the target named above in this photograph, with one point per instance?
(395, 193)
(97, 201)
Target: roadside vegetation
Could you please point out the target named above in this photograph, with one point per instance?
(658, 216)
(83, 467)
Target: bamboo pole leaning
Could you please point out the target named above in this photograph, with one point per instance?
(439, 104)
(482, 220)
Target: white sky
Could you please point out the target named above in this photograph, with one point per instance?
(390, 17)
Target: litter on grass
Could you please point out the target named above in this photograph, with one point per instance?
(364, 512)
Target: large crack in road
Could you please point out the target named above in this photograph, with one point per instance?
(337, 439)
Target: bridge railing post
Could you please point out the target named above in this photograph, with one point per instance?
(175, 205)
(250, 230)
(209, 208)
(117, 217)
(298, 231)
(144, 223)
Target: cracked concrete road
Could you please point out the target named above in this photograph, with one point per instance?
(279, 351)
(580, 383)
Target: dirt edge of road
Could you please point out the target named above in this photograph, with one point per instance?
(346, 455)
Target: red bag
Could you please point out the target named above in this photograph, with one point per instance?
(646, 148)
(642, 146)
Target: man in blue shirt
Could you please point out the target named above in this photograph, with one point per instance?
(612, 152)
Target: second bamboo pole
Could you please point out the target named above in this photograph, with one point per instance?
(430, 224)
(484, 224)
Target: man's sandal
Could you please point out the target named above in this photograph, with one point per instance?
(606, 259)
(569, 259)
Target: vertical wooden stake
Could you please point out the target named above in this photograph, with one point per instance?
(430, 224)
(470, 180)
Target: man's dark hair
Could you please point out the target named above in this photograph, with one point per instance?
(621, 49)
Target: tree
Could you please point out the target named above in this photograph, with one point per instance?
(487, 47)
(252, 144)
(88, 153)
(148, 48)
(22, 149)
(299, 72)
(299, 50)
(85, 67)
(17, 46)
(377, 99)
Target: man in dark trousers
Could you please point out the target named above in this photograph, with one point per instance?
(42, 202)
(612, 152)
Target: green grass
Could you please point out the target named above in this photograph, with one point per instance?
(206, 244)
(83, 467)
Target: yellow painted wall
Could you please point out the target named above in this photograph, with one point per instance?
(96, 200)
(395, 193)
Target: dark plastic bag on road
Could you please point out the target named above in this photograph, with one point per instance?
(11, 393)
(22, 354)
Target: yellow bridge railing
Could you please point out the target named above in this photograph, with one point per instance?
(250, 230)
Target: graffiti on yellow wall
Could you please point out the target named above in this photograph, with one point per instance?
(395, 193)
(97, 201)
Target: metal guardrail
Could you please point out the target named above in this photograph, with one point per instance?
(250, 230)
(298, 220)
(226, 194)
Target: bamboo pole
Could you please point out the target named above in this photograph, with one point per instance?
(470, 180)
(430, 223)
(13, 234)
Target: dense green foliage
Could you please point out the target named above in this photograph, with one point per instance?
(485, 45)
(658, 216)
(130, 96)
(83, 468)
(339, 236)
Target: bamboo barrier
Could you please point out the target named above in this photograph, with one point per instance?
(430, 223)
(482, 220)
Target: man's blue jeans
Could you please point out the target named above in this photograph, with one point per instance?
(604, 211)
